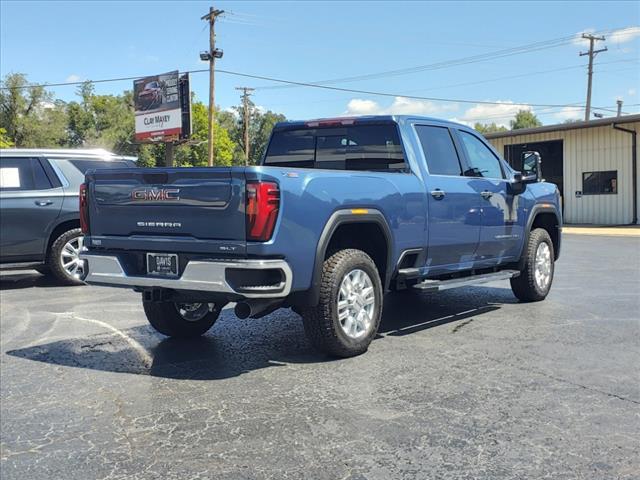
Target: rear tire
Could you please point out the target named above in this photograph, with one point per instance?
(534, 282)
(62, 259)
(181, 320)
(347, 317)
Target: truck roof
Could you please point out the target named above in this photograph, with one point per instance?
(360, 120)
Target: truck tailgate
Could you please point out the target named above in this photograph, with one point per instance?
(201, 204)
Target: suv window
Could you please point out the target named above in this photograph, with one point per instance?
(360, 147)
(482, 161)
(20, 174)
(75, 168)
(439, 150)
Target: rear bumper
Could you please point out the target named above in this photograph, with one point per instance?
(199, 275)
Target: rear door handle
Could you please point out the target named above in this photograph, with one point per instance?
(437, 194)
(486, 194)
(43, 203)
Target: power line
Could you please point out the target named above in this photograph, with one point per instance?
(528, 48)
(312, 85)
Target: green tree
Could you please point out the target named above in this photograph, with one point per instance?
(5, 141)
(29, 115)
(196, 153)
(485, 128)
(104, 121)
(525, 119)
(260, 125)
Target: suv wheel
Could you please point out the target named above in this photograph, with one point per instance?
(347, 317)
(534, 282)
(181, 320)
(63, 259)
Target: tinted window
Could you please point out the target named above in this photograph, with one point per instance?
(294, 148)
(18, 174)
(362, 147)
(83, 165)
(482, 161)
(331, 151)
(439, 150)
(374, 147)
(74, 169)
(594, 183)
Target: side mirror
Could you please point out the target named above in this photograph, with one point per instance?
(517, 184)
(531, 166)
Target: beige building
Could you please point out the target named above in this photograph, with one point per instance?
(594, 164)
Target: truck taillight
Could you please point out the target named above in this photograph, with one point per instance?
(84, 209)
(263, 202)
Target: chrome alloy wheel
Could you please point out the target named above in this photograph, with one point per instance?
(356, 304)
(192, 312)
(70, 258)
(542, 272)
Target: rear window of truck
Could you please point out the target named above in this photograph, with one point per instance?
(358, 147)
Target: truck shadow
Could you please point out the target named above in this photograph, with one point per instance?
(234, 347)
(16, 280)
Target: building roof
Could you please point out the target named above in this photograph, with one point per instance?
(601, 122)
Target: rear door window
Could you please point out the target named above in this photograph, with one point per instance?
(22, 174)
(439, 150)
(359, 147)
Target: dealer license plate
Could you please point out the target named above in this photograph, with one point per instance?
(165, 264)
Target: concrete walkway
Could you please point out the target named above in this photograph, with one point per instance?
(616, 231)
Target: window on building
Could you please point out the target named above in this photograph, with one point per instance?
(600, 183)
(482, 161)
(439, 151)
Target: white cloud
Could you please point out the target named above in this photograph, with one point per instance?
(499, 113)
(631, 92)
(570, 113)
(400, 106)
(622, 35)
(73, 78)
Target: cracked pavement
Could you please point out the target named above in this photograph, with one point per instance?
(462, 384)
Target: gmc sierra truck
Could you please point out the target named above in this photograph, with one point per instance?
(339, 212)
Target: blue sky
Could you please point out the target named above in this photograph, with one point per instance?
(314, 41)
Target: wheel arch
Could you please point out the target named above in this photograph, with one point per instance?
(547, 218)
(59, 229)
(368, 231)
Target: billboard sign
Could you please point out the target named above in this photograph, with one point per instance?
(158, 108)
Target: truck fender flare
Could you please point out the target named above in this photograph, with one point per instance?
(341, 217)
(535, 211)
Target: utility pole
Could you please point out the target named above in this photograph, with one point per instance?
(592, 54)
(246, 92)
(211, 56)
(619, 102)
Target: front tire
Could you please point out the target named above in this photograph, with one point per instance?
(534, 282)
(181, 320)
(347, 317)
(63, 259)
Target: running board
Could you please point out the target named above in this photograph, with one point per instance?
(437, 285)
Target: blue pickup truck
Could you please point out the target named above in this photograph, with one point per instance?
(339, 212)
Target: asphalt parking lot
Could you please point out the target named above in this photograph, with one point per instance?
(462, 384)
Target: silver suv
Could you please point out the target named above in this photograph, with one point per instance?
(39, 214)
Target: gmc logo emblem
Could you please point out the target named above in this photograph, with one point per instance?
(156, 194)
